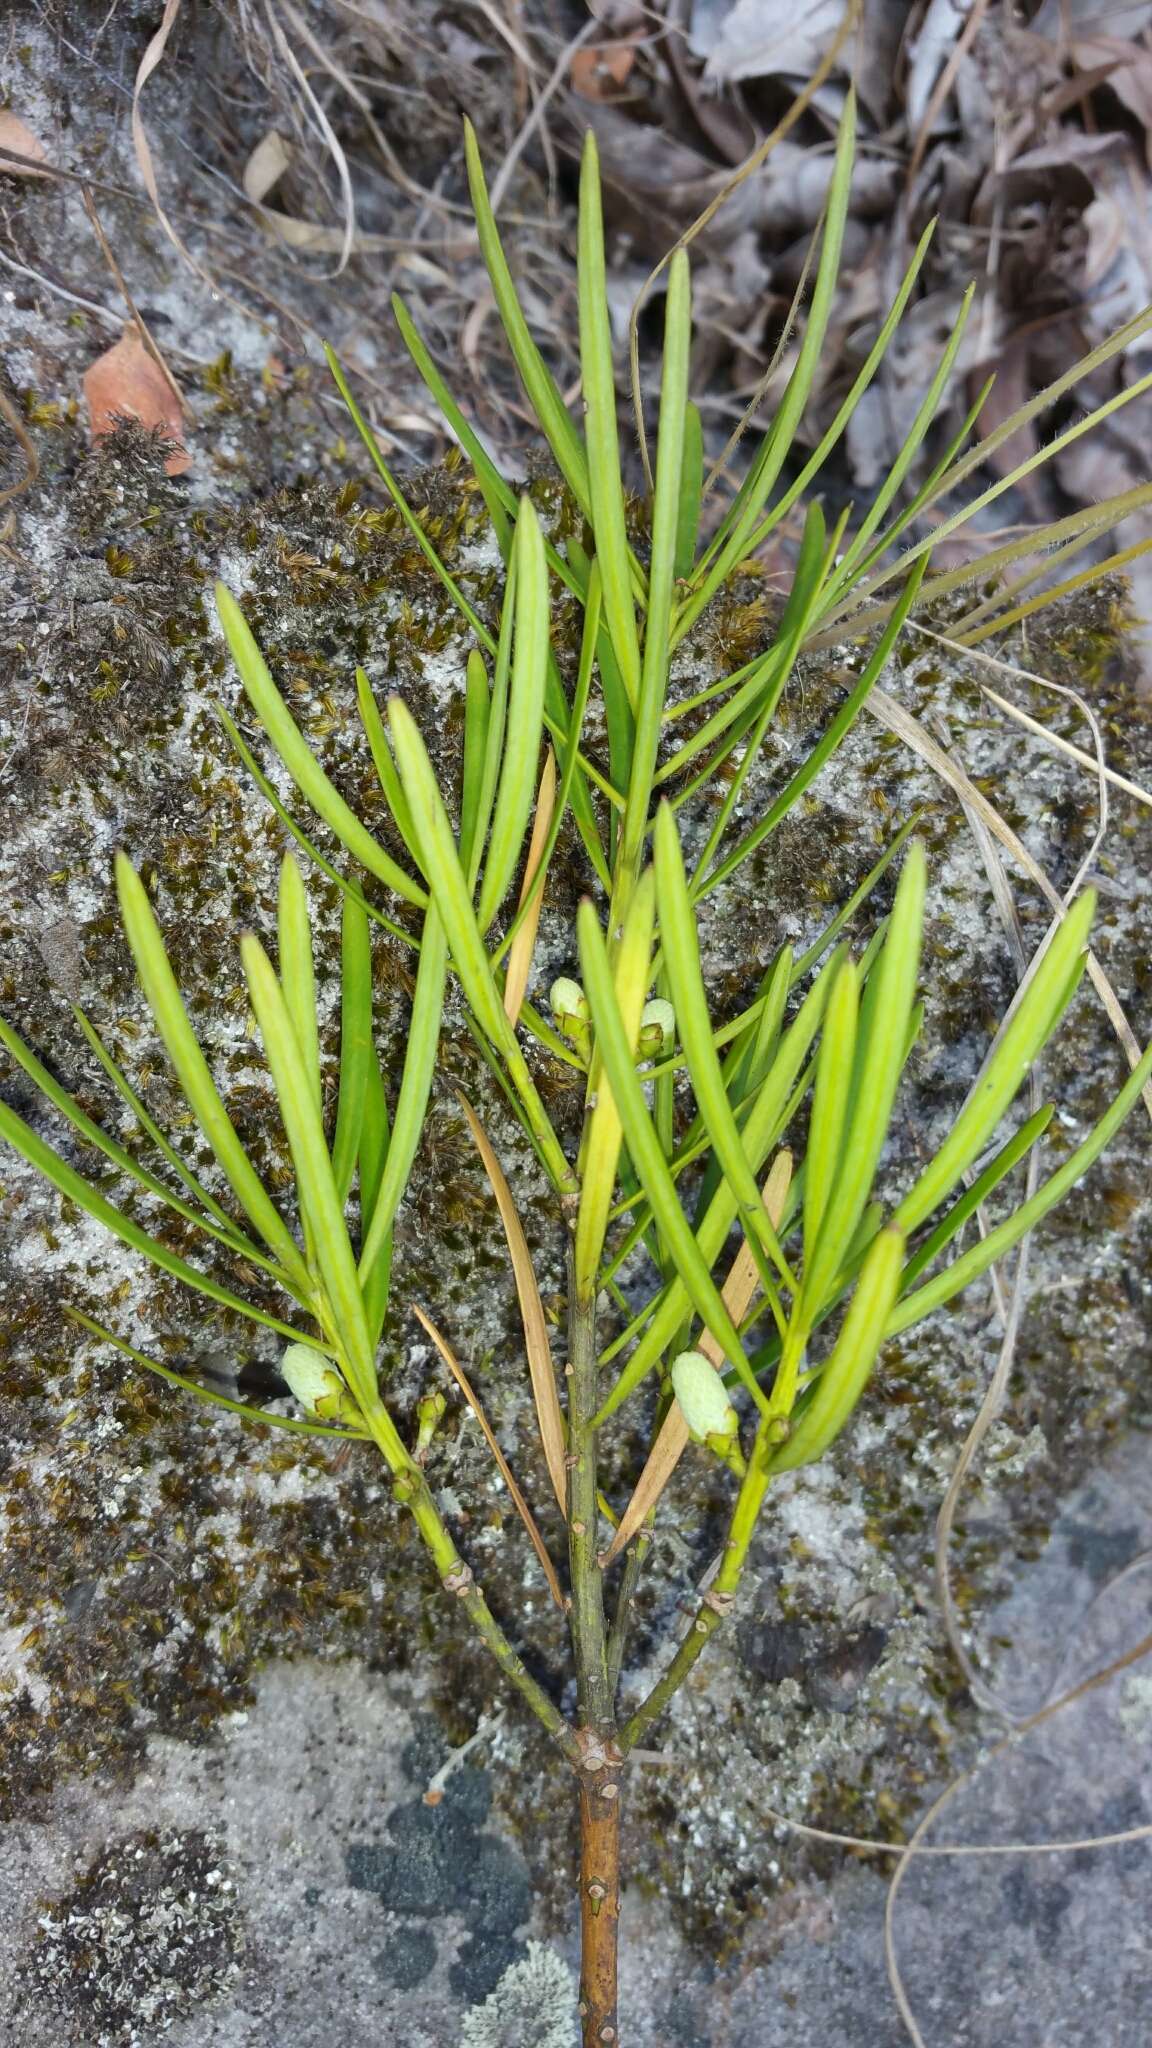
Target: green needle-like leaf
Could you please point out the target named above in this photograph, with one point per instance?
(306, 845)
(601, 1153)
(243, 1409)
(318, 1195)
(882, 1050)
(216, 1224)
(412, 1101)
(829, 1104)
(440, 858)
(914, 1307)
(171, 1020)
(841, 1382)
(382, 760)
(297, 970)
(691, 492)
(605, 486)
(768, 1115)
(689, 999)
(1009, 1155)
(356, 1050)
(555, 420)
(646, 1153)
(298, 757)
(1040, 1006)
(75, 1188)
(520, 765)
(477, 711)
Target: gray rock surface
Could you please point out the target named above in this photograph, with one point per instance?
(225, 1676)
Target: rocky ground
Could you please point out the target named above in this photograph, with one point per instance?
(225, 1676)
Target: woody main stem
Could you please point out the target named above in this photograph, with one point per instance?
(600, 1762)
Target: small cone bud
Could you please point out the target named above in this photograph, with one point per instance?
(317, 1385)
(568, 999)
(702, 1399)
(657, 1028)
(570, 1009)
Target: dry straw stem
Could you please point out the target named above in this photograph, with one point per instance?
(909, 728)
(10, 413)
(747, 169)
(524, 944)
(912, 1849)
(1095, 762)
(506, 1473)
(673, 1439)
(536, 1344)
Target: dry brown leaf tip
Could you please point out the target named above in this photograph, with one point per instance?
(15, 135)
(127, 383)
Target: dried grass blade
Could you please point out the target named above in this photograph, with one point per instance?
(536, 1344)
(524, 944)
(517, 1498)
(673, 1439)
(908, 728)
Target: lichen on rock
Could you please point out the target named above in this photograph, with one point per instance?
(154, 1556)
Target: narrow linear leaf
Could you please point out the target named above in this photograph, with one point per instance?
(298, 757)
(317, 1188)
(223, 1229)
(412, 1101)
(384, 765)
(531, 897)
(297, 832)
(690, 1001)
(541, 1369)
(673, 1438)
(645, 1151)
(554, 418)
(297, 970)
(521, 752)
(768, 1115)
(691, 492)
(841, 1382)
(171, 1020)
(1009, 1155)
(604, 1130)
(261, 1416)
(355, 1043)
(882, 1052)
(517, 1498)
(914, 1307)
(829, 1103)
(605, 486)
(823, 751)
(1043, 999)
(75, 1188)
(477, 711)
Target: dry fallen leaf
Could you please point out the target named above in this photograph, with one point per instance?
(127, 383)
(16, 135)
(599, 72)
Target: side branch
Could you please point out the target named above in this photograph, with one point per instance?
(719, 1597)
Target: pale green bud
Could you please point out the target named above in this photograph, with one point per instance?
(702, 1398)
(317, 1385)
(568, 999)
(657, 1028)
(570, 1009)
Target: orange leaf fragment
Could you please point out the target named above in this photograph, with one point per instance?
(16, 135)
(598, 73)
(128, 383)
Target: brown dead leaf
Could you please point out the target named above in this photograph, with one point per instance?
(16, 135)
(126, 383)
(599, 72)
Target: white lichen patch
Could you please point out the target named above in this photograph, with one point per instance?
(533, 2005)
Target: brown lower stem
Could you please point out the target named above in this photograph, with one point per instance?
(599, 1905)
